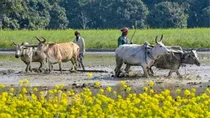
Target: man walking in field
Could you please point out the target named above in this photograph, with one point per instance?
(81, 43)
(123, 38)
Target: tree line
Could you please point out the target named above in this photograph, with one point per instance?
(103, 14)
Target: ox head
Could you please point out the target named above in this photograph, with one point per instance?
(41, 45)
(19, 48)
(191, 58)
(160, 49)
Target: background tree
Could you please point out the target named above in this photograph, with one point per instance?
(31, 14)
(78, 12)
(94, 14)
(58, 17)
(127, 13)
(167, 15)
(205, 17)
(3, 9)
(195, 12)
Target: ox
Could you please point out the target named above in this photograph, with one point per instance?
(58, 53)
(175, 60)
(28, 55)
(138, 55)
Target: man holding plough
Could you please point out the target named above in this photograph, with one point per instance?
(81, 43)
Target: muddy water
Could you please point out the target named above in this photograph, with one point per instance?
(12, 71)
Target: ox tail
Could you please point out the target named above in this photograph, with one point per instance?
(77, 53)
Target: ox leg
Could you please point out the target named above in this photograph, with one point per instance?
(50, 66)
(73, 65)
(152, 72)
(149, 72)
(127, 68)
(177, 72)
(60, 68)
(170, 72)
(27, 66)
(145, 72)
(30, 68)
(40, 67)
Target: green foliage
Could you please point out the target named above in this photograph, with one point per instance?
(167, 15)
(196, 12)
(33, 14)
(205, 18)
(187, 38)
(102, 14)
(58, 18)
(10, 23)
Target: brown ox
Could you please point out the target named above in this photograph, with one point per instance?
(58, 53)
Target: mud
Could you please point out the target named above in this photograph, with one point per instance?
(12, 71)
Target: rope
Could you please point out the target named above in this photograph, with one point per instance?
(135, 53)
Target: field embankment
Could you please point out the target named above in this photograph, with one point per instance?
(103, 39)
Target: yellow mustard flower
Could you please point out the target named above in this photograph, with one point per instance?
(109, 89)
(97, 84)
(90, 75)
(187, 93)
(11, 89)
(151, 83)
(2, 86)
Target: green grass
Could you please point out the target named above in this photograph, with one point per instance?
(187, 38)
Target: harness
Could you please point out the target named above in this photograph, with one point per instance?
(148, 54)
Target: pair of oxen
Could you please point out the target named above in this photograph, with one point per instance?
(147, 56)
(48, 52)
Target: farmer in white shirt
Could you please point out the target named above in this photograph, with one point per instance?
(81, 43)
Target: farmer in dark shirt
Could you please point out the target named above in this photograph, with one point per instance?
(123, 38)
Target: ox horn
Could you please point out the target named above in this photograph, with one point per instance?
(38, 39)
(161, 38)
(156, 39)
(44, 39)
(14, 43)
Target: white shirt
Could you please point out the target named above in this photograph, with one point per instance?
(81, 43)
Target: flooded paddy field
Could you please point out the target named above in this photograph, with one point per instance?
(12, 70)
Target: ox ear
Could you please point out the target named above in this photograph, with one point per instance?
(156, 39)
(14, 43)
(161, 38)
(38, 39)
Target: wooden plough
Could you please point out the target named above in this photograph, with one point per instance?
(96, 71)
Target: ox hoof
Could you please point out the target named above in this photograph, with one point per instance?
(120, 75)
(126, 75)
(146, 76)
(180, 77)
(151, 75)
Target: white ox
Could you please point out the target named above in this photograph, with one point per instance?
(138, 55)
(29, 54)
